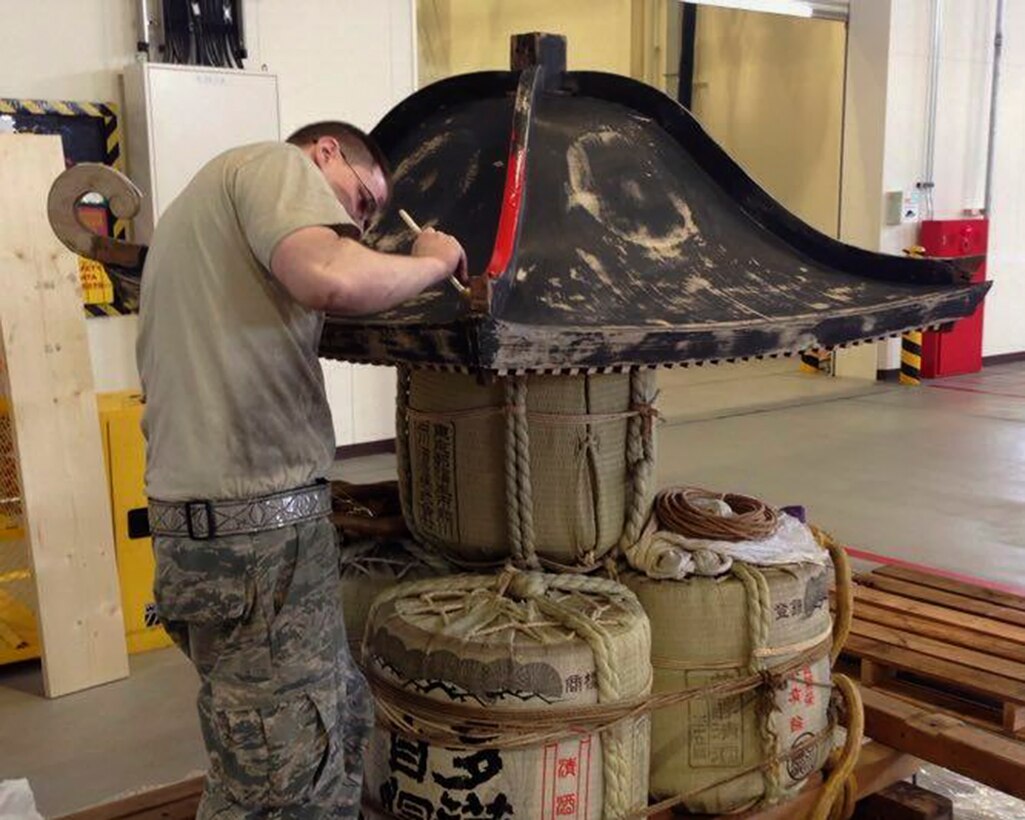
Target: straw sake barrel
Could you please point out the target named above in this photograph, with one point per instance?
(549, 466)
(370, 566)
(704, 631)
(486, 648)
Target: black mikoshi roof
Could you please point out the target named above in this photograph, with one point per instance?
(605, 229)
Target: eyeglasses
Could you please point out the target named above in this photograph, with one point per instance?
(367, 201)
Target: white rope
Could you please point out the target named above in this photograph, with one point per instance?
(512, 503)
(640, 454)
(759, 617)
(524, 486)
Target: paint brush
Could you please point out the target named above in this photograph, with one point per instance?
(411, 223)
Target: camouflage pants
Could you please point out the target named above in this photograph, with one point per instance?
(284, 711)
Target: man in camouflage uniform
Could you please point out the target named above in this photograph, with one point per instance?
(239, 436)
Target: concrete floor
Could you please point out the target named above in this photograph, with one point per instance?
(934, 475)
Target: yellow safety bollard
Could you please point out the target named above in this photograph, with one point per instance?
(911, 342)
(911, 358)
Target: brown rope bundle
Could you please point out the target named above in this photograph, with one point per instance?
(678, 512)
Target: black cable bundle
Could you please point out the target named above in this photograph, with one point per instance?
(204, 32)
(236, 37)
(201, 48)
(177, 36)
(224, 23)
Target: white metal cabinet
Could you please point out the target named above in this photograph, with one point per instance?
(180, 117)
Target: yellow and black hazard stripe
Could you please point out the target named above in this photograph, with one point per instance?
(911, 342)
(809, 361)
(103, 310)
(64, 108)
(816, 361)
(911, 357)
(113, 153)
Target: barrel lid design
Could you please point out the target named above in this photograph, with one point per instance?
(519, 636)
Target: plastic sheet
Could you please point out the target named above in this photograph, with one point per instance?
(972, 801)
(670, 556)
(17, 801)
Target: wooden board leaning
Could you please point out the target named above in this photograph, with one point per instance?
(66, 505)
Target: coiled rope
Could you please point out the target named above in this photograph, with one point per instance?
(843, 591)
(840, 789)
(680, 509)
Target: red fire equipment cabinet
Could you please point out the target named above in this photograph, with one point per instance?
(958, 350)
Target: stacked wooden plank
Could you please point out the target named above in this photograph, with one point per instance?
(942, 668)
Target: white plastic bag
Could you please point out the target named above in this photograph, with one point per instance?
(17, 801)
(670, 556)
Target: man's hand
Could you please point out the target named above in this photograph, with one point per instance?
(444, 248)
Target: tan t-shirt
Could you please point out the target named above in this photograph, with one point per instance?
(235, 401)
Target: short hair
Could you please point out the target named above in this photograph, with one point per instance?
(349, 137)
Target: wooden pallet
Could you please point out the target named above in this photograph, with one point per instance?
(942, 670)
(940, 738)
(944, 643)
(177, 801)
(878, 766)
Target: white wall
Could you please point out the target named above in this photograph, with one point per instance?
(1004, 329)
(351, 60)
(56, 49)
(337, 59)
(961, 132)
(962, 106)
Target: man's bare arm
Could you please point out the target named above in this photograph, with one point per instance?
(323, 271)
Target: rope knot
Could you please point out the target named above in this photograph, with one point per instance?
(525, 586)
(711, 564)
(648, 412)
(588, 443)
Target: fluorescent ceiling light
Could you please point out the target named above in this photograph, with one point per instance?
(794, 8)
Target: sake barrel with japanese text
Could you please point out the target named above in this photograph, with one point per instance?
(706, 630)
(549, 470)
(370, 566)
(483, 686)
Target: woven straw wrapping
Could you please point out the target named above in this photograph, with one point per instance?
(456, 490)
(556, 642)
(701, 633)
(371, 566)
